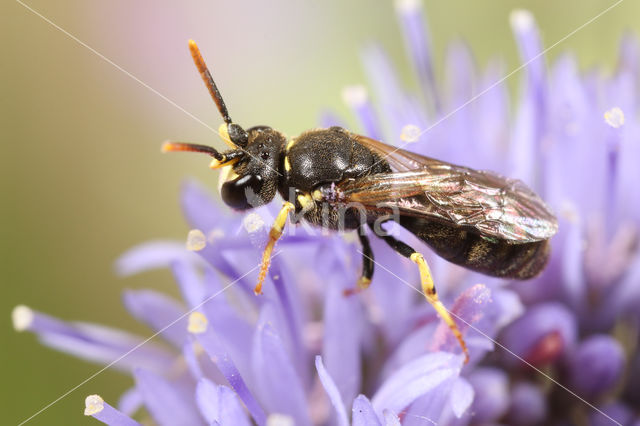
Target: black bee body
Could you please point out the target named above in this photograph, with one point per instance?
(313, 163)
(340, 180)
(309, 171)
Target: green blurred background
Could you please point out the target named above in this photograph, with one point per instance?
(83, 178)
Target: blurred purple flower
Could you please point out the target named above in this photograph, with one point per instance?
(383, 357)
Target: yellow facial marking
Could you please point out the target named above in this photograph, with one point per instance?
(224, 134)
(287, 164)
(290, 144)
(215, 164)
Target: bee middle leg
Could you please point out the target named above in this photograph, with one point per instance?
(428, 287)
(367, 264)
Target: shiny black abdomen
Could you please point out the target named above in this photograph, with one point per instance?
(466, 248)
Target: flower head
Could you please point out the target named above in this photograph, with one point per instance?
(303, 353)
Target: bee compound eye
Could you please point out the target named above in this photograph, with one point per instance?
(243, 192)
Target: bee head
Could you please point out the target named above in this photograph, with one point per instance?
(252, 180)
(250, 169)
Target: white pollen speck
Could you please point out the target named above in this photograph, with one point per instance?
(252, 223)
(93, 404)
(569, 211)
(407, 5)
(410, 133)
(521, 19)
(276, 419)
(614, 117)
(197, 323)
(354, 95)
(214, 235)
(196, 240)
(22, 317)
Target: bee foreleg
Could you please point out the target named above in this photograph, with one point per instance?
(274, 234)
(428, 287)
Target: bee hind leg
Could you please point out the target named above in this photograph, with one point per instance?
(428, 287)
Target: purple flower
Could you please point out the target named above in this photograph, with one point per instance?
(303, 353)
(597, 365)
(234, 358)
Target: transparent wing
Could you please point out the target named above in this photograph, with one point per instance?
(491, 204)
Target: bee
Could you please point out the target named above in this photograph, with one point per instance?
(476, 219)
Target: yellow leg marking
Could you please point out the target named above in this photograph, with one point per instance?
(274, 235)
(306, 201)
(429, 291)
(363, 284)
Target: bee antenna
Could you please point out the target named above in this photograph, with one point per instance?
(192, 147)
(208, 81)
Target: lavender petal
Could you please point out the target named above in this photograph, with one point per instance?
(527, 37)
(416, 379)
(330, 119)
(615, 410)
(391, 419)
(363, 414)
(160, 312)
(573, 266)
(153, 255)
(97, 408)
(528, 405)
(280, 277)
(357, 99)
(342, 339)
(491, 394)
(166, 404)
(216, 350)
(510, 307)
(461, 396)
(332, 391)
(200, 209)
(93, 342)
(541, 335)
(529, 121)
(130, 401)
(603, 358)
(190, 284)
(418, 46)
(468, 312)
(191, 359)
(220, 404)
(280, 386)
